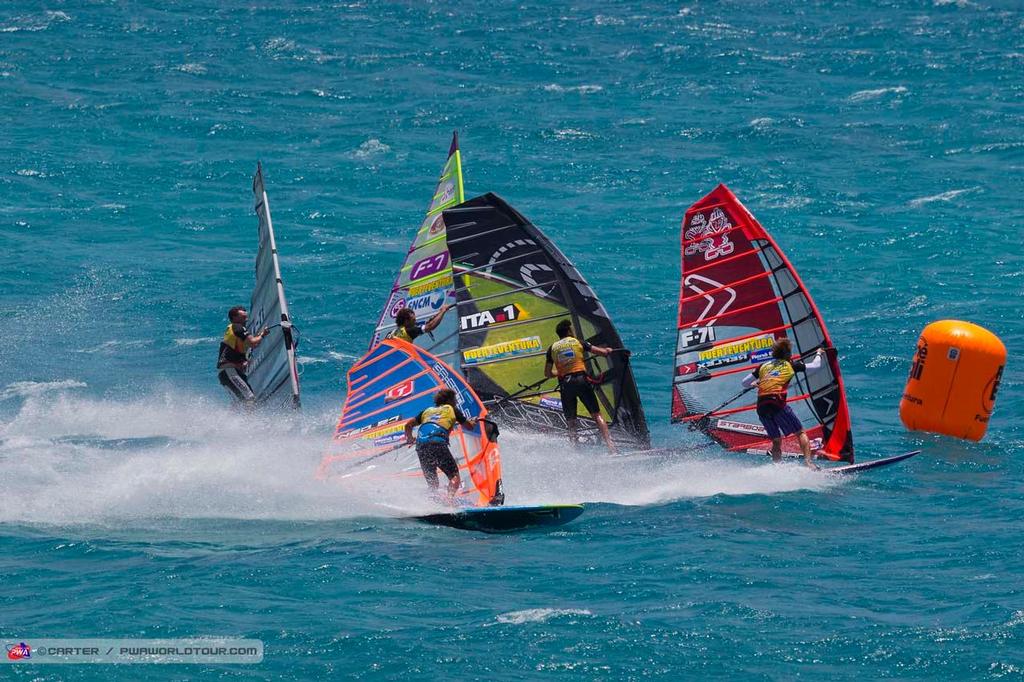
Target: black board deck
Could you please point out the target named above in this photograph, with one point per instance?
(505, 519)
(873, 464)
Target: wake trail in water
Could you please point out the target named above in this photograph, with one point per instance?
(81, 459)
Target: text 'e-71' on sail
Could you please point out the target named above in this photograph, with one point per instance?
(738, 295)
(512, 287)
(272, 365)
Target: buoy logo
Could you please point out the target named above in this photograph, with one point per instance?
(917, 369)
(988, 399)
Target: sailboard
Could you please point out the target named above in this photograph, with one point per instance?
(272, 370)
(506, 519)
(873, 464)
(424, 282)
(512, 287)
(738, 295)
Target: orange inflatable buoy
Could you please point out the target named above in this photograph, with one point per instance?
(953, 381)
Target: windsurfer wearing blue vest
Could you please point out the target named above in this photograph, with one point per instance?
(406, 327)
(565, 361)
(233, 356)
(772, 379)
(436, 424)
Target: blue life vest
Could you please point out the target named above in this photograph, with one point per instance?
(432, 433)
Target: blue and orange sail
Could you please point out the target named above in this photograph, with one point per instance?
(392, 383)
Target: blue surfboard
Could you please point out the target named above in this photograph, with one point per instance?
(505, 519)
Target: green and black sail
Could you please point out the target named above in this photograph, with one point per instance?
(512, 287)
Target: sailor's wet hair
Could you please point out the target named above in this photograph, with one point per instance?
(405, 316)
(563, 329)
(445, 396)
(233, 313)
(782, 349)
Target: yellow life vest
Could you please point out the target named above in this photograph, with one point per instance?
(436, 424)
(567, 355)
(773, 379)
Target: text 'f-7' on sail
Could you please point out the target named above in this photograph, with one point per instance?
(512, 287)
(738, 295)
(395, 382)
(272, 369)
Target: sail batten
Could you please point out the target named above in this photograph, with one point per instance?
(738, 295)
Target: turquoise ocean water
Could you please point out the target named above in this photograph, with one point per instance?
(882, 143)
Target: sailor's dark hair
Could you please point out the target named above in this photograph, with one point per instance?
(405, 316)
(563, 329)
(234, 312)
(782, 349)
(445, 396)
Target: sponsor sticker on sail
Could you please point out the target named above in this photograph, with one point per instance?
(506, 349)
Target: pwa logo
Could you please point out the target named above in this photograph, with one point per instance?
(18, 652)
(402, 390)
(917, 369)
(485, 318)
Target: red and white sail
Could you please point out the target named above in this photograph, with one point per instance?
(738, 295)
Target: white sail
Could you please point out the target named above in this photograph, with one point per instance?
(272, 367)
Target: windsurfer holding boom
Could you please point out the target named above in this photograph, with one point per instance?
(565, 361)
(436, 424)
(233, 356)
(772, 379)
(406, 327)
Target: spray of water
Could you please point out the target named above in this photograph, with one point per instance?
(77, 458)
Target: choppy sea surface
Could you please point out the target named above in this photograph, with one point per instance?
(882, 143)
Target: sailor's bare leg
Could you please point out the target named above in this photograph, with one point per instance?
(574, 436)
(776, 450)
(805, 446)
(603, 428)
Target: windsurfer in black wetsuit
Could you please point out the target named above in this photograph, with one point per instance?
(406, 327)
(234, 356)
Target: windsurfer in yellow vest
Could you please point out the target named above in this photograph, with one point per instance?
(772, 379)
(406, 327)
(234, 356)
(565, 360)
(436, 424)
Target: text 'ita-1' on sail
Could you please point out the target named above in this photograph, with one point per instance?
(738, 295)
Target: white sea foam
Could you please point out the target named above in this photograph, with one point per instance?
(24, 389)
(944, 196)
(194, 68)
(36, 22)
(370, 148)
(195, 341)
(538, 615)
(582, 89)
(865, 95)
